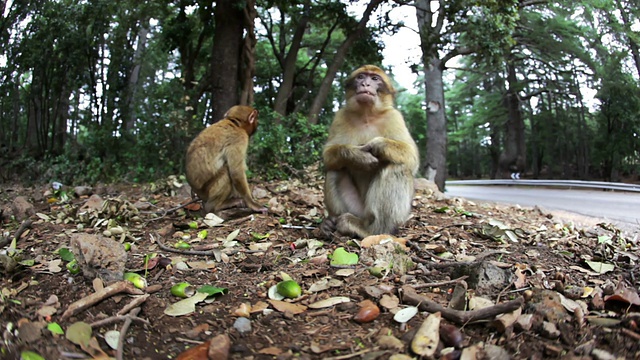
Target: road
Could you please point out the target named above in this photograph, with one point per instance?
(617, 207)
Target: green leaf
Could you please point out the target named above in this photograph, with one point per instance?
(66, 254)
(604, 239)
(212, 290)
(30, 355)
(259, 236)
(79, 333)
(55, 328)
(343, 257)
(599, 267)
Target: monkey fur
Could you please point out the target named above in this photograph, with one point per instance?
(370, 160)
(216, 161)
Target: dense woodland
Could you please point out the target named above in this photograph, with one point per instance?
(100, 90)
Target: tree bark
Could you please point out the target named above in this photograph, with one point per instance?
(514, 155)
(134, 78)
(435, 166)
(227, 45)
(338, 59)
(248, 55)
(289, 68)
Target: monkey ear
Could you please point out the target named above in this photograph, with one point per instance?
(253, 116)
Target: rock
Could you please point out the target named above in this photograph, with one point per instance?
(428, 187)
(219, 348)
(548, 304)
(485, 277)
(99, 256)
(22, 208)
(243, 325)
(549, 330)
(94, 203)
(495, 352)
(83, 190)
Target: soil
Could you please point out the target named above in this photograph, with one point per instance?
(547, 253)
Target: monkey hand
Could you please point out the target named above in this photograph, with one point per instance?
(375, 146)
(365, 160)
(256, 207)
(328, 227)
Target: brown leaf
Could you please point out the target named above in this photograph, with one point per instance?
(286, 307)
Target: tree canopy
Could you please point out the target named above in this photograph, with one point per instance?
(104, 91)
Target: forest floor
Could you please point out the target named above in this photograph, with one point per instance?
(462, 280)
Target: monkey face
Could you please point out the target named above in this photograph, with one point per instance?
(367, 86)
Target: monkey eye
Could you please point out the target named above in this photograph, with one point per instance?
(361, 76)
(375, 78)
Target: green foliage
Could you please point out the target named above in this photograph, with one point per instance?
(283, 146)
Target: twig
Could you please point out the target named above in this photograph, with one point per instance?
(137, 301)
(630, 333)
(441, 283)
(116, 318)
(355, 354)
(123, 333)
(459, 317)
(164, 247)
(87, 301)
(24, 226)
(297, 227)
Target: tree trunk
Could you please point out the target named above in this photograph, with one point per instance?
(289, 71)
(514, 156)
(248, 55)
(134, 78)
(227, 45)
(435, 167)
(338, 59)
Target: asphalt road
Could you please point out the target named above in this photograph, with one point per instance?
(616, 207)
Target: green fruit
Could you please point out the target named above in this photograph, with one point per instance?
(289, 288)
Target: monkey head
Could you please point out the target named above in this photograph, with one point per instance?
(245, 117)
(368, 85)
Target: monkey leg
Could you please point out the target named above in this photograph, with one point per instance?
(388, 200)
(345, 203)
(218, 194)
(341, 194)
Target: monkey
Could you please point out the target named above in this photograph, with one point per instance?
(216, 162)
(370, 160)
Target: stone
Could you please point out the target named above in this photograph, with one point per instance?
(22, 208)
(99, 256)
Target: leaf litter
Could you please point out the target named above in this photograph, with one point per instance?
(560, 288)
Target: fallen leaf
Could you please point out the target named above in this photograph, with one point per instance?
(342, 257)
(112, 337)
(79, 333)
(599, 267)
(286, 307)
(425, 341)
(405, 314)
(329, 302)
(186, 306)
(274, 351)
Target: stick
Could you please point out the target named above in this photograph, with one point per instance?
(123, 333)
(87, 301)
(133, 304)
(441, 283)
(24, 226)
(459, 317)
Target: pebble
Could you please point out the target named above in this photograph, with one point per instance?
(243, 325)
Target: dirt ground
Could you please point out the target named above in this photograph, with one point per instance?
(553, 286)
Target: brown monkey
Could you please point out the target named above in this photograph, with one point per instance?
(216, 161)
(370, 160)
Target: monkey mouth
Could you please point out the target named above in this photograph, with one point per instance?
(365, 93)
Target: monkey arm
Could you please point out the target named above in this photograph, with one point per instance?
(393, 151)
(340, 156)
